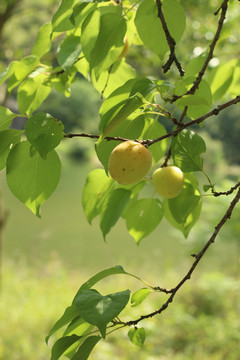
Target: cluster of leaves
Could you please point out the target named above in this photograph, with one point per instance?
(92, 36)
(91, 313)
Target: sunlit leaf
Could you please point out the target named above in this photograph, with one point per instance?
(44, 132)
(112, 209)
(68, 51)
(96, 189)
(176, 210)
(8, 138)
(186, 150)
(142, 217)
(148, 24)
(6, 117)
(102, 36)
(113, 78)
(30, 178)
(139, 296)
(221, 78)
(31, 93)
(152, 130)
(60, 20)
(43, 42)
(137, 336)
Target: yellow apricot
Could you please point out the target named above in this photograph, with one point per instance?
(168, 181)
(129, 162)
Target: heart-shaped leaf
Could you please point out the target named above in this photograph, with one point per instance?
(99, 310)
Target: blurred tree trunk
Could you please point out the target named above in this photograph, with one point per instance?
(10, 5)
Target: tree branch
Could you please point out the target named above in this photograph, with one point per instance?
(171, 42)
(200, 119)
(191, 91)
(229, 192)
(92, 136)
(198, 257)
(181, 127)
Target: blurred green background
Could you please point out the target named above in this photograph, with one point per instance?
(43, 262)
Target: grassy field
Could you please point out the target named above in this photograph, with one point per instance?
(45, 261)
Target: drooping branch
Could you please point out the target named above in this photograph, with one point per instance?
(171, 42)
(191, 91)
(197, 257)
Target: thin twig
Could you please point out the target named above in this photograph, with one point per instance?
(149, 142)
(200, 119)
(92, 136)
(171, 42)
(191, 91)
(229, 192)
(197, 257)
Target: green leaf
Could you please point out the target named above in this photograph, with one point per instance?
(186, 150)
(148, 24)
(139, 296)
(23, 68)
(207, 187)
(137, 336)
(195, 65)
(44, 132)
(142, 217)
(181, 218)
(19, 70)
(8, 72)
(102, 36)
(69, 314)
(99, 310)
(116, 98)
(31, 93)
(30, 178)
(60, 20)
(102, 275)
(184, 204)
(61, 345)
(8, 139)
(130, 105)
(221, 78)
(96, 189)
(86, 348)
(6, 117)
(112, 209)
(234, 88)
(199, 103)
(43, 42)
(188, 100)
(77, 326)
(81, 11)
(69, 51)
(90, 30)
(152, 130)
(108, 81)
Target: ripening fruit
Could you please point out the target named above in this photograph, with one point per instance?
(129, 162)
(168, 181)
(125, 49)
